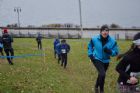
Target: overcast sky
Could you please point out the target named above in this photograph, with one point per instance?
(94, 12)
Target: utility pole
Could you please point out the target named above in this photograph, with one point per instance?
(80, 13)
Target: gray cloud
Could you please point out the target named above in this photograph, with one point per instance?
(94, 12)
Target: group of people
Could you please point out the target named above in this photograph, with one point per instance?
(101, 48)
(6, 43)
(61, 49)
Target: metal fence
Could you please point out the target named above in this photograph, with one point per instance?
(69, 32)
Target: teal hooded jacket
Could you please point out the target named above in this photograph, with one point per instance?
(96, 48)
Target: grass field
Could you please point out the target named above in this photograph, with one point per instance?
(39, 74)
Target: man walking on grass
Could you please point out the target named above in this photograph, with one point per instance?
(7, 41)
(63, 50)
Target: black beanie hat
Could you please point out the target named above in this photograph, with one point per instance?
(137, 36)
(104, 27)
(63, 40)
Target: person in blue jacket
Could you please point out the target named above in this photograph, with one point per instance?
(58, 52)
(56, 41)
(100, 49)
(63, 49)
(39, 41)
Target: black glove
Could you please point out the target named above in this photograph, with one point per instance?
(91, 58)
(108, 51)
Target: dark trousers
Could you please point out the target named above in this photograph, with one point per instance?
(64, 60)
(1, 51)
(55, 53)
(39, 45)
(59, 58)
(9, 53)
(101, 68)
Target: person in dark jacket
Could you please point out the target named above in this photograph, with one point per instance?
(100, 48)
(39, 41)
(63, 49)
(55, 43)
(7, 44)
(129, 68)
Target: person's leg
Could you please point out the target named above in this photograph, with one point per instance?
(7, 54)
(97, 83)
(62, 59)
(103, 78)
(40, 45)
(65, 60)
(2, 54)
(106, 65)
(1, 51)
(12, 54)
(59, 58)
(101, 74)
(55, 54)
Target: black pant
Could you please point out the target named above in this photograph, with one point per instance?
(59, 58)
(64, 60)
(39, 45)
(9, 52)
(55, 53)
(101, 68)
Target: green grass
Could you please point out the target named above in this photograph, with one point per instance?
(34, 75)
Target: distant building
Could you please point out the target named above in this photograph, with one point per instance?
(55, 26)
(67, 25)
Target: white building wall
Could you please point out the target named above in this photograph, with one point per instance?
(119, 34)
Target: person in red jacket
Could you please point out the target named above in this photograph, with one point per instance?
(7, 44)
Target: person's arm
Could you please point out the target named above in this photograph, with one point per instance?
(90, 48)
(115, 50)
(68, 47)
(122, 67)
(58, 48)
(11, 39)
(36, 38)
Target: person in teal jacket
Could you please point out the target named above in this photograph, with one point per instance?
(100, 49)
